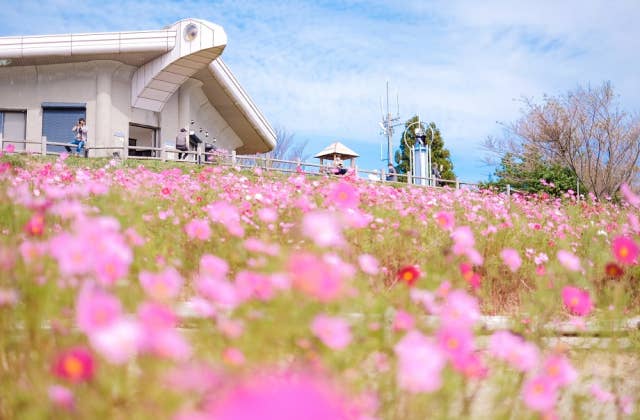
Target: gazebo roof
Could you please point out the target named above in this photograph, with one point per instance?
(336, 148)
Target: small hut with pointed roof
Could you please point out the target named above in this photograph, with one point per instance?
(336, 152)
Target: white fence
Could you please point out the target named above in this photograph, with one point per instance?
(222, 157)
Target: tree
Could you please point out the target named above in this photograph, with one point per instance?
(287, 148)
(584, 131)
(533, 175)
(439, 155)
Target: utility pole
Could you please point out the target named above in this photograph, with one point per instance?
(387, 124)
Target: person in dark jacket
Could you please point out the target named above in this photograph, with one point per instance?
(392, 175)
(181, 143)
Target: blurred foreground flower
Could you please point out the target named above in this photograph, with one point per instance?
(333, 331)
(409, 274)
(577, 301)
(75, 365)
(613, 270)
(289, 396)
(61, 397)
(625, 250)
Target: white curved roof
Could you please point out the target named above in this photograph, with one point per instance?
(165, 59)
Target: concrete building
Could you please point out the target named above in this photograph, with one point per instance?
(138, 87)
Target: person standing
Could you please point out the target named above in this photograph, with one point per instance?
(181, 143)
(80, 133)
(392, 175)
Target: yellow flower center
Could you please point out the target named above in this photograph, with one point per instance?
(73, 366)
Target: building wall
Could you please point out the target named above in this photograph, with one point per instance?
(26, 88)
(207, 117)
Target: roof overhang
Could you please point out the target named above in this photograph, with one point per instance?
(165, 59)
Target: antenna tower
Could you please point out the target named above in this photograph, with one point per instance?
(387, 125)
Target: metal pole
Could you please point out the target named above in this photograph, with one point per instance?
(388, 124)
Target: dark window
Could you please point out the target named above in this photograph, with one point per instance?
(57, 122)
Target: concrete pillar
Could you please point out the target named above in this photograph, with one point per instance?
(184, 103)
(102, 124)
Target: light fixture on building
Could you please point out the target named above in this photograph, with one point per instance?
(190, 32)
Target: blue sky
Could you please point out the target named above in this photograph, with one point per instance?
(319, 68)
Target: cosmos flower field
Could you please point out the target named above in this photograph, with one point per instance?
(211, 292)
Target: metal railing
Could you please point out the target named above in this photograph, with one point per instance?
(225, 158)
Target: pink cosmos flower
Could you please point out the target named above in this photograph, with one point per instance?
(334, 332)
(166, 343)
(193, 378)
(310, 275)
(323, 228)
(213, 266)
(456, 342)
(600, 394)
(110, 268)
(119, 342)
(8, 297)
(445, 220)
(343, 195)
(462, 239)
(35, 225)
(233, 356)
(251, 285)
(459, 309)
(282, 396)
(221, 292)
(469, 275)
(96, 309)
(231, 328)
(10, 148)
(403, 321)
(198, 229)
(625, 250)
(470, 365)
(513, 349)
(161, 286)
(368, 264)
(8, 255)
(420, 363)
(426, 299)
(577, 301)
(75, 365)
(61, 397)
(540, 394)
(268, 215)
(153, 315)
(630, 196)
(226, 214)
(558, 369)
(511, 259)
(569, 260)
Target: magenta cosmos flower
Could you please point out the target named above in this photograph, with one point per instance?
(409, 274)
(577, 301)
(625, 250)
(75, 365)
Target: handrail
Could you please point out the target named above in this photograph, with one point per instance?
(222, 157)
